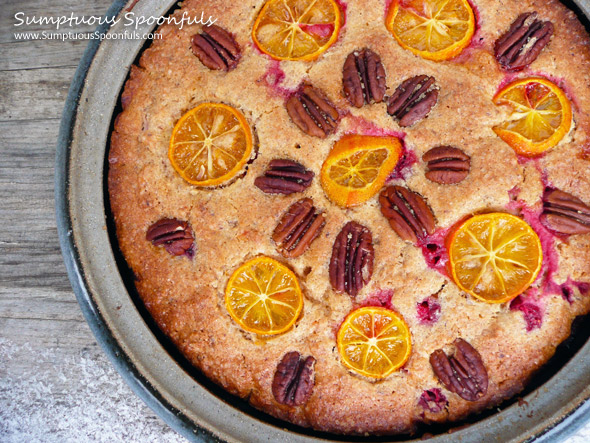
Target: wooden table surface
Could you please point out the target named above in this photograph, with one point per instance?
(55, 383)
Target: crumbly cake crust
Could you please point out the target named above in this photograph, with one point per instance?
(235, 223)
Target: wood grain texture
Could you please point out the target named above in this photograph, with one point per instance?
(47, 54)
(56, 385)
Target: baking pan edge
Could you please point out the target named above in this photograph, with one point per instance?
(557, 426)
(124, 366)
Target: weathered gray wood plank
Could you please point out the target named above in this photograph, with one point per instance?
(16, 55)
(34, 94)
(28, 247)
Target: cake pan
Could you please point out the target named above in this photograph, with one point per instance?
(554, 405)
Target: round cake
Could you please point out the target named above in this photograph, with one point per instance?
(360, 217)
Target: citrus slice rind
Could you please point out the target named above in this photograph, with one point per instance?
(374, 341)
(432, 29)
(210, 144)
(296, 29)
(263, 296)
(494, 257)
(357, 168)
(541, 115)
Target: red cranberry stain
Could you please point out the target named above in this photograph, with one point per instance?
(428, 311)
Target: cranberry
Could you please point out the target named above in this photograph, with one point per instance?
(433, 400)
(428, 311)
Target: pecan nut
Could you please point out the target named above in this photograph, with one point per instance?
(298, 228)
(311, 111)
(216, 48)
(462, 373)
(294, 379)
(176, 236)
(413, 100)
(447, 165)
(408, 214)
(523, 42)
(351, 265)
(565, 213)
(363, 78)
(284, 177)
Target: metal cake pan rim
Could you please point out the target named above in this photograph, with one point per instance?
(75, 271)
(77, 268)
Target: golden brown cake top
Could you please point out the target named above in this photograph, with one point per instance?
(235, 223)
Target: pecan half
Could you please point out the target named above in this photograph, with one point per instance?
(413, 100)
(294, 379)
(462, 373)
(447, 165)
(363, 78)
(408, 214)
(523, 42)
(284, 177)
(565, 213)
(298, 227)
(176, 236)
(351, 265)
(311, 111)
(216, 48)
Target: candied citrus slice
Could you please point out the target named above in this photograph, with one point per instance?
(210, 144)
(432, 29)
(494, 257)
(358, 166)
(263, 296)
(296, 29)
(374, 341)
(541, 117)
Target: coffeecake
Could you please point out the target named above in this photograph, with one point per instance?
(360, 217)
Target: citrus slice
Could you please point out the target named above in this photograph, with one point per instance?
(263, 296)
(296, 29)
(374, 341)
(494, 257)
(541, 117)
(358, 166)
(432, 29)
(210, 144)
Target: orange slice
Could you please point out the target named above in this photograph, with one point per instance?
(296, 29)
(357, 167)
(374, 341)
(263, 296)
(432, 29)
(541, 115)
(494, 257)
(210, 144)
